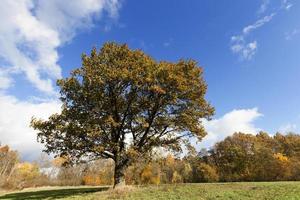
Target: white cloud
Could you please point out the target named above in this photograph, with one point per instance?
(286, 4)
(5, 80)
(32, 30)
(71, 16)
(246, 49)
(168, 42)
(241, 120)
(258, 23)
(290, 35)
(15, 118)
(239, 43)
(263, 7)
(288, 128)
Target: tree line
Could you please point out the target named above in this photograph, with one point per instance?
(240, 157)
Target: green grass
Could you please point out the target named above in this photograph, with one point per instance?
(223, 191)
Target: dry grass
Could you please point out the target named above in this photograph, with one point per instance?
(120, 192)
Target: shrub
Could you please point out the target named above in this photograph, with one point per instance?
(207, 173)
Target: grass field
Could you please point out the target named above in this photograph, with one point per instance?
(257, 191)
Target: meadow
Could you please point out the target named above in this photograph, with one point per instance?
(205, 191)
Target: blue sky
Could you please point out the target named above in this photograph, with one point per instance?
(249, 51)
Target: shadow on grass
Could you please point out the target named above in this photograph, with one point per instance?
(51, 194)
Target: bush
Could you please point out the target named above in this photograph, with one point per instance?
(207, 173)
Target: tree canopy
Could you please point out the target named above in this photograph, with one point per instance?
(121, 103)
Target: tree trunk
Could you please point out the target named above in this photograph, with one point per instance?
(119, 175)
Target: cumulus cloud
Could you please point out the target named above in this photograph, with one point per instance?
(71, 16)
(241, 120)
(15, 118)
(32, 30)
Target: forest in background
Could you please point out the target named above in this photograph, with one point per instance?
(240, 157)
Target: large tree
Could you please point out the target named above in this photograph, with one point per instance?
(121, 104)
